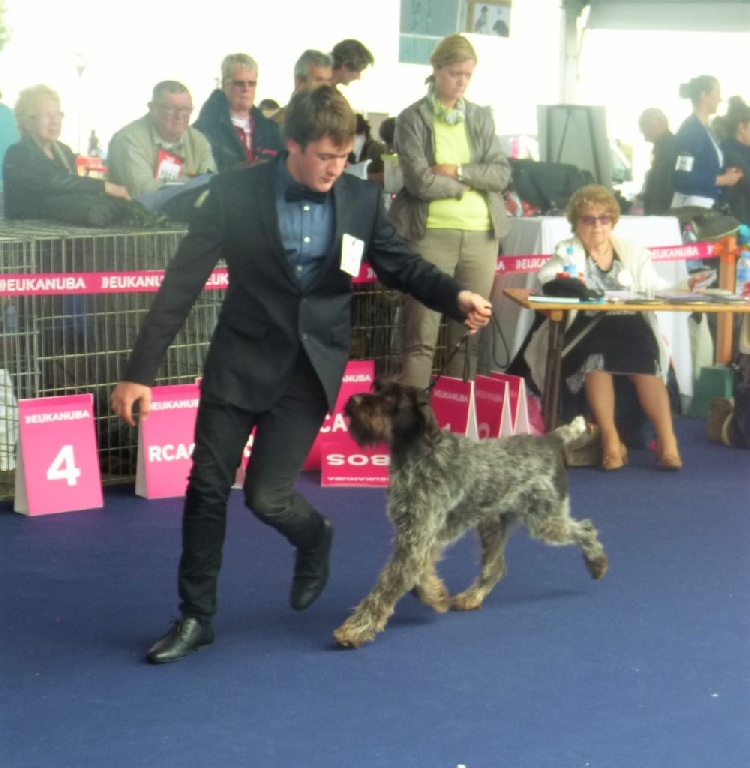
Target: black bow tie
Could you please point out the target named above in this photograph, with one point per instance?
(297, 192)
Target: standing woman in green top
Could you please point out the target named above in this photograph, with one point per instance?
(450, 208)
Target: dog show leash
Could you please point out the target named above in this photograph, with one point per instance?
(463, 340)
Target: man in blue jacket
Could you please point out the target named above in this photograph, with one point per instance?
(293, 233)
(238, 132)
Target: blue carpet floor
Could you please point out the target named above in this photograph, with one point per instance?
(648, 668)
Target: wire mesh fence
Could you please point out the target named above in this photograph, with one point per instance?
(68, 344)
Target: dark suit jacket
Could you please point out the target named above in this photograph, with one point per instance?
(658, 190)
(267, 317)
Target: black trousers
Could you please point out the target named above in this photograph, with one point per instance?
(284, 435)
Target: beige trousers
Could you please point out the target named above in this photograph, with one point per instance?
(471, 258)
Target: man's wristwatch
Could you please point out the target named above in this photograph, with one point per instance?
(459, 174)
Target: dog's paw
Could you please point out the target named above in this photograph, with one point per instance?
(348, 636)
(466, 601)
(597, 568)
(435, 595)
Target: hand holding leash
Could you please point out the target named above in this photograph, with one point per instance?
(477, 309)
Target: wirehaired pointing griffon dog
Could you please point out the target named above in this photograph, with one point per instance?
(443, 484)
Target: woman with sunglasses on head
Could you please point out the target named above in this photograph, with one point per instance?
(624, 343)
(238, 132)
(40, 167)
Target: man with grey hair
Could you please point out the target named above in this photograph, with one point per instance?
(237, 130)
(313, 69)
(160, 148)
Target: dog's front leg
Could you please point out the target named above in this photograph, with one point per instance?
(396, 579)
(430, 588)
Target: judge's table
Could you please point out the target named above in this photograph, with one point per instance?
(557, 313)
(540, 234)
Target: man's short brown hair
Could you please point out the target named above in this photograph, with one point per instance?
(315, 114)
(353, 54)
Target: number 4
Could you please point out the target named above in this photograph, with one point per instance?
(63, 466)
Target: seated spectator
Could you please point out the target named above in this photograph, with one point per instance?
(39, 168)
(313, 69)
(658, 189)
(350, 59)
(617, 344)
(160, 148)
(238, 132)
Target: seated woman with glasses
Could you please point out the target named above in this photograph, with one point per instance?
(39, 166)
(616, 344)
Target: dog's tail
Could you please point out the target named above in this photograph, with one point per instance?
(568, 433)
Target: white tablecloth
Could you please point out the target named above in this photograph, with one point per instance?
(540, 235)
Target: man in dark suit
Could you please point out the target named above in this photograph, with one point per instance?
(658, 189)
(292, 232)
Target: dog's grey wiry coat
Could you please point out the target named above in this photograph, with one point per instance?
(441, 485)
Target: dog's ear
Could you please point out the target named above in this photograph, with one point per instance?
(409, 419)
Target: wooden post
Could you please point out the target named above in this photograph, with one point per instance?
(726, 250)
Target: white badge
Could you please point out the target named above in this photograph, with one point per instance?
(352, 250)
(684, 163)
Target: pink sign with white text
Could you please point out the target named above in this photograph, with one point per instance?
(58, 468)
(452, 402)
(492, 403)
(358, 377)
(345, 464)
(519, 408)
(165, 442)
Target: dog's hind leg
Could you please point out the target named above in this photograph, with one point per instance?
(493, 534)
(430, 588)
(396, 579)
(558, 528)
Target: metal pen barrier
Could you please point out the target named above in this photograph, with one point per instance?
(68, 344)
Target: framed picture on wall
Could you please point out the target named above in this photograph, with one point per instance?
(489, 17)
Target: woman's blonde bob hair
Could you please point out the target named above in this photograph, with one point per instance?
(586, 197)
(451, 50)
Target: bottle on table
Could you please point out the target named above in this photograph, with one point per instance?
(742, 287)
(569, 263)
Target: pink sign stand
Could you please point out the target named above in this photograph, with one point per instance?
(519, 408)
(536, 420)
(358, 377)
(452, 403)
(345, 464)
(58, 468)
(492, 402)
(165, 442)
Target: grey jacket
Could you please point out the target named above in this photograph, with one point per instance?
(414, 142)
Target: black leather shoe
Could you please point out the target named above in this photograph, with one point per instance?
(187, 635)
(311, 570)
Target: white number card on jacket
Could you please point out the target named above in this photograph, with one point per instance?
(352, 250)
